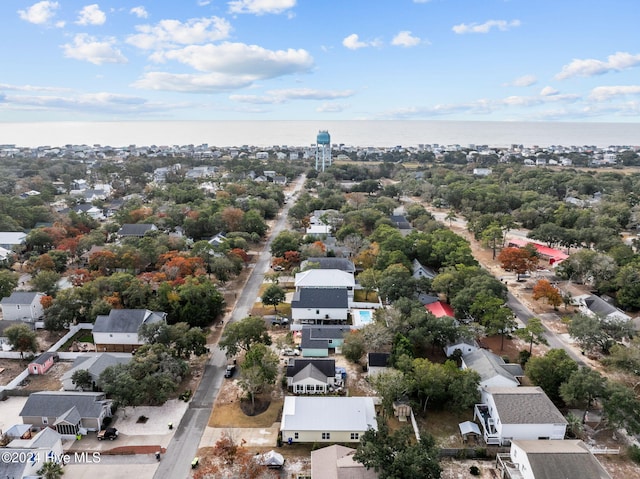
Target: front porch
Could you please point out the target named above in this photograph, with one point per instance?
(508, 469)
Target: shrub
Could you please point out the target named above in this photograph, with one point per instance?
(481, 452)
(634, 453)
(474, 470)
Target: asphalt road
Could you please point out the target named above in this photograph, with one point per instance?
(176, 463)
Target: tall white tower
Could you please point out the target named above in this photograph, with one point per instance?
(323, 150)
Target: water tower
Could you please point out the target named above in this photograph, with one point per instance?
(323, 150)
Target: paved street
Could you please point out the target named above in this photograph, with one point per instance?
(176, 463)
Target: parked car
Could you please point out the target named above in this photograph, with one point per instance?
(231, 368)
(110, 433)
(290, 352)
(277, 320)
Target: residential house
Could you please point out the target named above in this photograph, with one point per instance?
(279, 180)
(135, 230)
(493, 371)
(325, 279)
(320, 306)
(327, 419)
(320, 222)
(323, 262)
(508, 414)
(86, 209)
(420, 271)
(94, 364)
(217, 240)
(568, 459)
(37, 446)
(69, 413)
(11, 239)
(317, 341)
(312, 376)
(377, 363)
(593, 305)
(118, 332)
(336, 462)
(42, 363)
(22, 306)
(401, 223)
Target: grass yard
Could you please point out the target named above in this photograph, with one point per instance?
(231, 415)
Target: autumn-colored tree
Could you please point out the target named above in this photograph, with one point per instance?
(103, 261)
(544, 289)
(240, 253)
(292, 258)
(518, 260)
(44, 262)
(367, 258)
(178, 265)
(232, 218)
(70, 245)
(140, 214)
(46, 301)
(79, 276)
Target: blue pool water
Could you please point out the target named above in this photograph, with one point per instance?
(365, 316)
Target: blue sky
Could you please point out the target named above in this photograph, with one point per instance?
(512, 60)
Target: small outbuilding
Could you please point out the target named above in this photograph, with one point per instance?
(42, 363)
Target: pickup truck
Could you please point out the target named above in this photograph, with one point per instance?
(229, 371)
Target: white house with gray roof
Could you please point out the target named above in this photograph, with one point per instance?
(118, 332)
(94, 363)
(593, 305)
(22, 306)
(319, 306)
(327, 419)
(69, 413)
(523, 413)
(568, 459)
(38, 447)
(493, 371)
(10, 239)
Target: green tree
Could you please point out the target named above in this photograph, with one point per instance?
(273, 296)
(620, 406)
(396, 456)
(285, 241)
(493, 236)
(51, 470)
(369, 279)
(259, 370)
(241, 335)
(550, 371)
(354, 346)
(22, 338)
(582, 388)
(46, 282)
(82, 379)
(391, 386)
(8, 282)
(533, 333)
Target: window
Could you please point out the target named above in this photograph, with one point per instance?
(295, 435)
(319, 387)
(355, 436)
(326, 435)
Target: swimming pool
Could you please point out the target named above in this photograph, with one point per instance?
(362, 317)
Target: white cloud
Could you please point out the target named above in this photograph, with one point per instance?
(139, 12)
(91, 15)
(39, 13)
(89, 49)
(352, 42)
(169, 33)
(421, 1)
(9, 87)
(284, 95)
(603, 93)
(524, 80)
(405, 39)
(260, 7)
(590, 67)
(548, 91)
(203, 3)
(190, 83)
(331, 107)
(226, 67)
(241, 59)
(485, 27)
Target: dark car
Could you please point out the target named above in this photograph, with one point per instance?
(229, 371)
(110, 433)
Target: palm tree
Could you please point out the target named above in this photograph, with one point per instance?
(51, 470)
(450, 217)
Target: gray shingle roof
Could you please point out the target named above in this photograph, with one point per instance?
(317, 337)
(380, 360)
(326, 366)
(135, 229)
(20, 297)
(489, 365)
(57, 403)
(567, 459)
(126, 320)
(324, 298)
(525, 405)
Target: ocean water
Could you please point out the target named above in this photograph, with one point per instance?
(303, 133)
